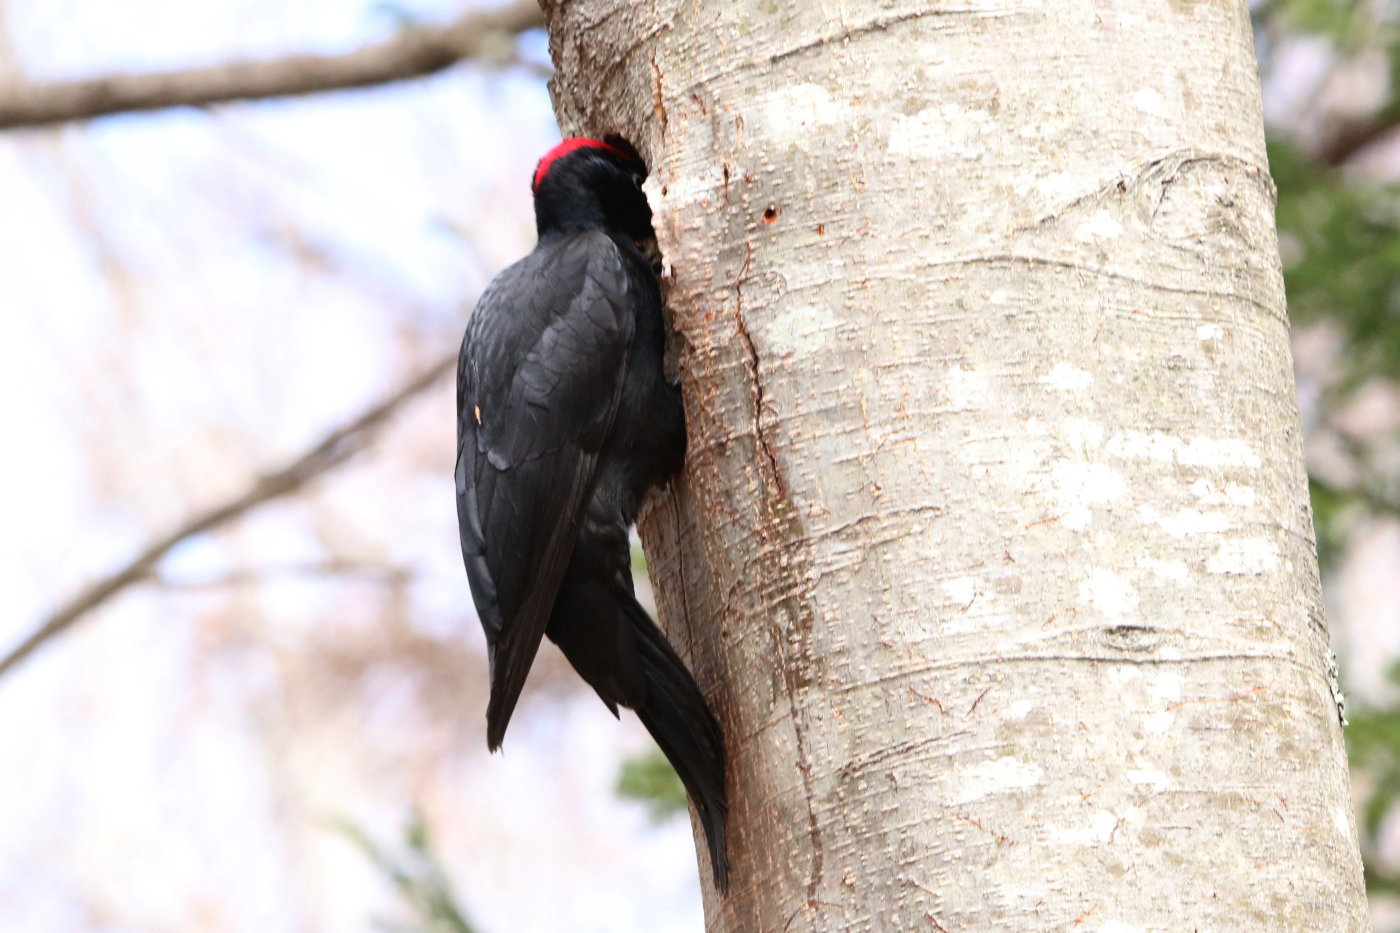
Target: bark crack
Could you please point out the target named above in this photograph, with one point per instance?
(804, 760)
(1076, 266)
(680, 571)
(791, 644)
(1168, 166)
(879, 24)
(775, 476)
(658, 98)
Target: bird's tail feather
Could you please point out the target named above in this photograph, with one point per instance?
(679, 719)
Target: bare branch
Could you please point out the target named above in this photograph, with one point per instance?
(1348, 139)
(415, 52)
(335, 448)
(379, 573)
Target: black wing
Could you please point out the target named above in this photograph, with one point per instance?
(538, 383)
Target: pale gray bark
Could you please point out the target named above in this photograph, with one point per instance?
(993, 549)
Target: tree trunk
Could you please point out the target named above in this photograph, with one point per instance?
(993, 549)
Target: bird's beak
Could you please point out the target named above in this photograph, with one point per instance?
(651, 251)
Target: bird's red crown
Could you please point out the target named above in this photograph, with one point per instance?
(572, 144)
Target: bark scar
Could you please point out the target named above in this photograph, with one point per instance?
(781, 646)
(680, 570)
(1165, 170)
(657, 98)
(878, 24)
(775, 475)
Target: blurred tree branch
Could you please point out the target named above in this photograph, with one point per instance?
(1347, 139)
(332, 450)
(385, 574)
(413, 53)
(418, 875)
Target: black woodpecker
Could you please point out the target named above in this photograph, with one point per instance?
(565, 418)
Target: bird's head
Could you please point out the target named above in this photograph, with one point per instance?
(587, 183)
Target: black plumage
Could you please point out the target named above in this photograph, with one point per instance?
(565, 419)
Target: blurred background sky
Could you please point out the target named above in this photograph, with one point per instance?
(258, 735)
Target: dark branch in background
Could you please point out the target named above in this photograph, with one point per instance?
(335, 448)
(415, 52)
(383, 574)
(416, 871)
(1348, 139)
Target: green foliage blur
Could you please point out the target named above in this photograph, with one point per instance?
(1373, 742)
(415, 872)
(1339, 236)
(650, 779)
(1340, 241)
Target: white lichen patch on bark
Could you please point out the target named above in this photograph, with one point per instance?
(1110, 594)
(1159, 723)
(1341, 822)
(1155, 778)
(1115, 926)
(795, 111)
(705, 185)
(1097, 831)
(960, 590)
(1078, 486)
(1166, 686)
(1174, 571)
(1100, 225)
(800, 330)
(1190, 451)
(1232, 494)
(1244, 555)
(968, 388)
(1188, 522)
(1064, 377)
(993, 777)
(939, 132)
(1149, 101)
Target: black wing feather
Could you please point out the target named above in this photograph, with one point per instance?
(538, 382)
